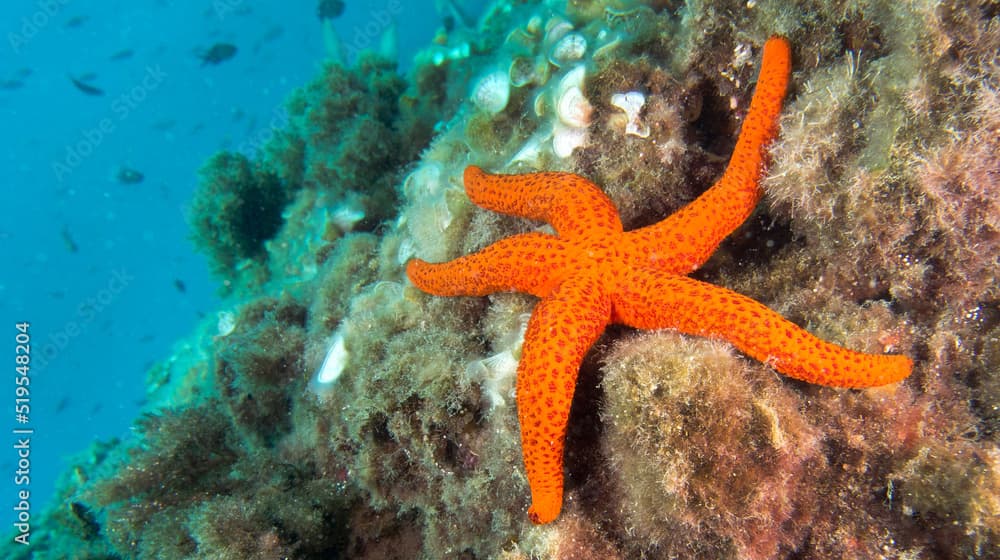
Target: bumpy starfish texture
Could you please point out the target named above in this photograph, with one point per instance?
(592, 274)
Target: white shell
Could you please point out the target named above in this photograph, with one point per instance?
(227, 323)
(631, 103)
(565, 139)
(570, 48)
(423, 182)
(573, 108)
(556, 28)
(427, 216)
(527, 70)
(333, 365)
(496, 375)
(348, 213)
(531, 152)
(492, 92)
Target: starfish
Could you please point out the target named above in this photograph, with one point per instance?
(592, 273)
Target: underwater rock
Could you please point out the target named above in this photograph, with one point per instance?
(258, 364)
(711, 458)
(876, 232)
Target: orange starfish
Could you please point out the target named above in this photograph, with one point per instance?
(592, 273)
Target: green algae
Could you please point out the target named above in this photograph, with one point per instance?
(236, 208)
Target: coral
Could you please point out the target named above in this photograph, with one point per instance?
(236, 208)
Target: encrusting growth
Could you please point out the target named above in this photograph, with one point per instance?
(592, 273)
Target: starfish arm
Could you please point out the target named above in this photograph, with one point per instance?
(562, 328)
(574, 206)
(654, 300)
(530, 262)
(685, 240)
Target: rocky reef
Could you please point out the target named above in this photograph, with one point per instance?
(335, 411)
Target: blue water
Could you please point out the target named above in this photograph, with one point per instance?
(102, 268)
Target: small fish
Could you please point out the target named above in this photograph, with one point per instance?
(11, 84)
(217, 54)
(123, 54)
(62, 405)
(86, 88)
(179, 284)
(86, 520)
(271, 34)
(76, 21)
(329, 9)
(129, 176)
(164, 124)
(68, 241)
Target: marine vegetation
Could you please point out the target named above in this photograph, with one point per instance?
(237, 208)
(332, 409)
